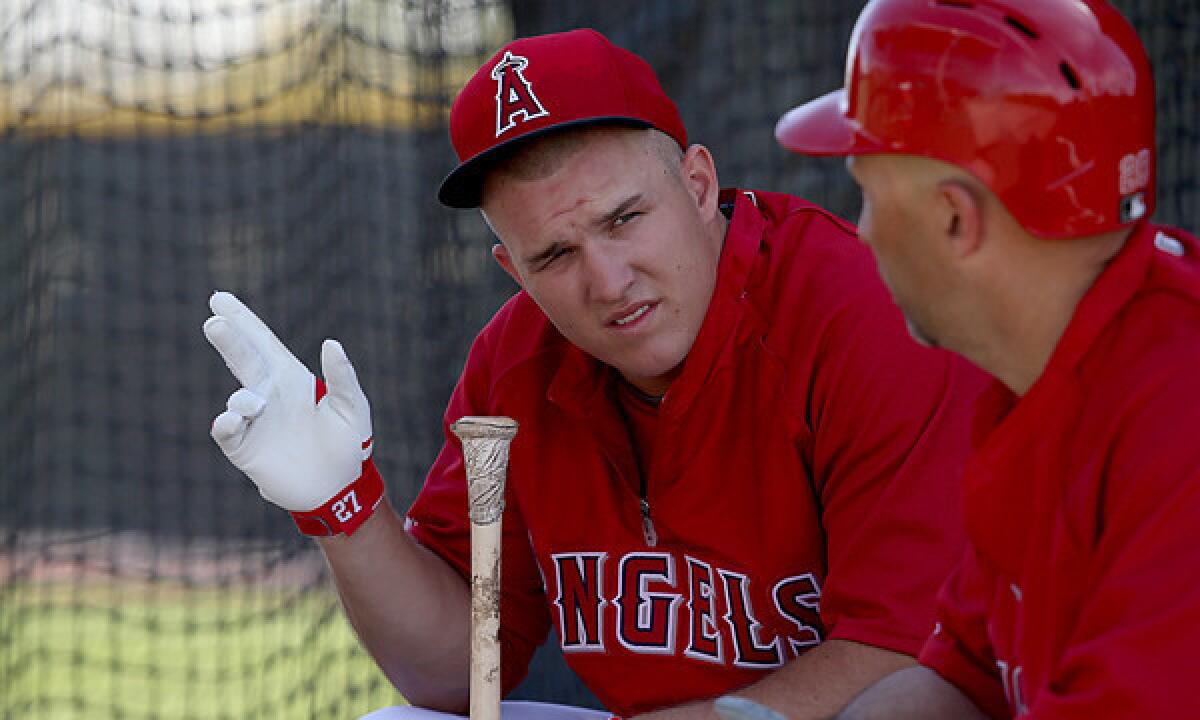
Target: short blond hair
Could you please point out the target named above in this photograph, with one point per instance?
(540, 158)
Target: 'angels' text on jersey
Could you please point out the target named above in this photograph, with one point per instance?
(649, 604)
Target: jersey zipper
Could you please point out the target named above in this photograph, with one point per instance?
(648, 531)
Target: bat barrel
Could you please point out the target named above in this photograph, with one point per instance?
(485, 442)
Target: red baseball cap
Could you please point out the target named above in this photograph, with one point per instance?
(536, 85)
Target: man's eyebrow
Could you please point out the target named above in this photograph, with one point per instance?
(545, 254)
(609, 217)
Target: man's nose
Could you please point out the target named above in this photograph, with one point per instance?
(609, 273)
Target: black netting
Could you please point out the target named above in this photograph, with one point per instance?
(289, 150)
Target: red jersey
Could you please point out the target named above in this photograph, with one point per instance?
(803, 482)
(1078, 596)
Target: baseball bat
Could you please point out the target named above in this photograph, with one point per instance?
(485, 442)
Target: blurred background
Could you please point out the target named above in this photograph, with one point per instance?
(152, 151)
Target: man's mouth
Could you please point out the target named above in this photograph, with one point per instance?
(633, 316)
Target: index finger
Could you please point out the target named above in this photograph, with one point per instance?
(252, 329)
(246, 364)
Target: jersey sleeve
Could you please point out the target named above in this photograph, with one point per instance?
(891, 431)
(958, 649)
(438, 520)
(1132, 652)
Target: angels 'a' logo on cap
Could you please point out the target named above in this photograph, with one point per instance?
(514, 94)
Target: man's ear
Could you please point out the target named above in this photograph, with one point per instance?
(699, 174)
(505, 261)
(962, 217)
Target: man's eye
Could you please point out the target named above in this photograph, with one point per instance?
(558, 253)
(625, 218)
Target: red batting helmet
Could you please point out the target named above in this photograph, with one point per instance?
(1050, 103)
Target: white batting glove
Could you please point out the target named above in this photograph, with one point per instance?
(305, 444)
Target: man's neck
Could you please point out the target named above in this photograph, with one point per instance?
(1036, 307)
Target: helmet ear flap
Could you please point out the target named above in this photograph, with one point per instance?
(1013, 92)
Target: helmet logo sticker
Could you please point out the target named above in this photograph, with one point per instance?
(514, 94)
(1134, 173)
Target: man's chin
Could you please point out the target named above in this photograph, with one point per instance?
(919, 335)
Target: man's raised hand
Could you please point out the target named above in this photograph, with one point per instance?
(305, 444)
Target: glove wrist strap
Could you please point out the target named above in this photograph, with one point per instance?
(348, 509)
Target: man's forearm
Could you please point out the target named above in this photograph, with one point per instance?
(815, 685)
(914, 694)
(410, 609)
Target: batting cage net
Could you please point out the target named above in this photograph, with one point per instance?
(289, 150)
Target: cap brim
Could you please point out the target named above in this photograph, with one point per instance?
(820, 127)
(463, 187)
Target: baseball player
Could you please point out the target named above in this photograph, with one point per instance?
(733, 471)
(1006, 153)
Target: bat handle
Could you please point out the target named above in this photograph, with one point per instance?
(485, 443)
